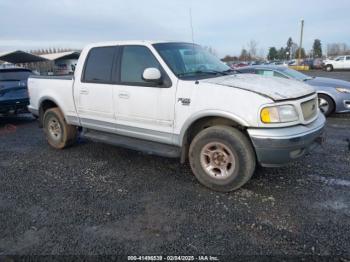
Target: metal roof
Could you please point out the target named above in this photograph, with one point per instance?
(19, 56)
(62, 55)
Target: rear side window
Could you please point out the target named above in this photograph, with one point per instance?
(348, 58)
(265, 72)
(135, 59)
(99, 63)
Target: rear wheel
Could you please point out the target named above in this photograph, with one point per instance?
(222, 158)
(326, 104)
(58, 133)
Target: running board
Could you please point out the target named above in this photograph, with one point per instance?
(145, 146)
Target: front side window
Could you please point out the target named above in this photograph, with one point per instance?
(348, 58)
(189, 60)
(279, 74)
(135, 59)
(99, 65)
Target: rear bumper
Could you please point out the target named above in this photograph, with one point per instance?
(279, 146)
(33, 111)
(19, 105)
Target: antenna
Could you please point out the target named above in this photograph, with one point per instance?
(193, 49)
(191, 24)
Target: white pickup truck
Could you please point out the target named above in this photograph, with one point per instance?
(176, 100)
(340, 62)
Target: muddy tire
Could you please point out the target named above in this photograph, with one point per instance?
(222, 158)
(58, 133)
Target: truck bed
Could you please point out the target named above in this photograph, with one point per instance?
(54, 88)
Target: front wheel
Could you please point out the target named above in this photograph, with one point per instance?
(58, 133)
(326, 104)
(222, 158)
(329, 68)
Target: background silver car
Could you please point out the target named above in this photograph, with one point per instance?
(333, 94)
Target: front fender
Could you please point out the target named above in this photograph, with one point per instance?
(209, 113)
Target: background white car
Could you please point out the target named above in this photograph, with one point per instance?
(340, 62)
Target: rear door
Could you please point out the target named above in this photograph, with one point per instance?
(94, 91)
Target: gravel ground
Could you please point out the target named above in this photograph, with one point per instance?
(98, 199)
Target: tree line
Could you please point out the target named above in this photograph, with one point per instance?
(292, 50)
(289, 51)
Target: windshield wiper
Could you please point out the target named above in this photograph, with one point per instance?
(211, 72)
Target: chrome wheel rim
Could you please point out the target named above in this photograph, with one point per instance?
(323, 105)
(54, 129)
(217, 160)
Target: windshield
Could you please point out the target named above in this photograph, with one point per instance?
(189, 60)
(296, 75)
(14, 75)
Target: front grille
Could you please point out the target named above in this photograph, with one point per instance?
(309, 109)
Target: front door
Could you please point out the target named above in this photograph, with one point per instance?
(347, 62)
(339, 62)
(143, 109)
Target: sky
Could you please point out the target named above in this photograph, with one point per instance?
(225, 25)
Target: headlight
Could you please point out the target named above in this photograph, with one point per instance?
(342, 90)
(279, 114)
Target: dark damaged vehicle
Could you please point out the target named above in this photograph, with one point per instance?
(14, 97)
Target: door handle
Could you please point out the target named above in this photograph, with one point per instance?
(84, 91)
(124, 95)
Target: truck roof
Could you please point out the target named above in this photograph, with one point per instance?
(131, 42)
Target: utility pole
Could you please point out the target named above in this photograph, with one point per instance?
(301, 40)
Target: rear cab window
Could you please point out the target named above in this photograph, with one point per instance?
(99, 65)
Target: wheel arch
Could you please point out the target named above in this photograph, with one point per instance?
(204, 120)
(329, 64)
(46, 103)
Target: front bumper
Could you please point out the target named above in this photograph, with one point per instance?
(278, 146)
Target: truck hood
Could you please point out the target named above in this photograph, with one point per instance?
(273, 87)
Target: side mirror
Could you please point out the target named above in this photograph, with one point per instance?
(152, 74)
